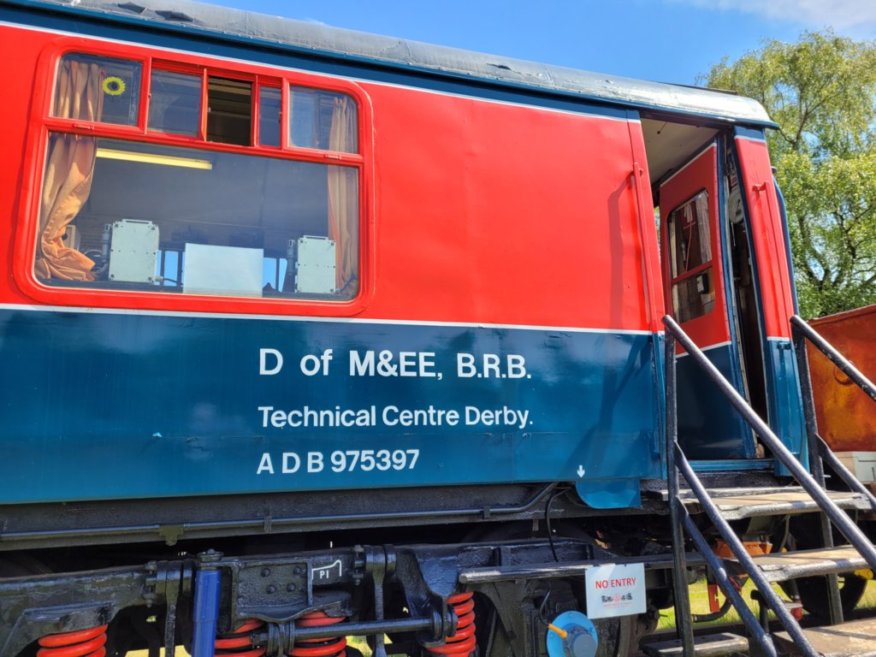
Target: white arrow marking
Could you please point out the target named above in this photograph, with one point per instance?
(580, 471)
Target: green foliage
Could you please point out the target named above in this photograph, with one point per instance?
(822, 93)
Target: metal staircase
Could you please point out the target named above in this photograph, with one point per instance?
(839, 639)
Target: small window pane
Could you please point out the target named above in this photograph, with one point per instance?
(689, 243)
(269, 116)
(324, 120)
(175, 103)
(100, 89)
(694, 296)
(229, 111)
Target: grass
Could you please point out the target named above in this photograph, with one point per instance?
(699, 604)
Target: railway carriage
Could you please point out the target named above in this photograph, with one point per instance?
(308, 334)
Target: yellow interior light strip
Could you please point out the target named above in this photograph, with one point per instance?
(154, 158)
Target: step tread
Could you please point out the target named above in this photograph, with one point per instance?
(782, 566)
(791, 501)
(852, 639)
(659, 489)
(711, 645)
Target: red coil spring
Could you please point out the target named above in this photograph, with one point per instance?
(319, 647)
(239, 642)
(83, 643)
(462, 642)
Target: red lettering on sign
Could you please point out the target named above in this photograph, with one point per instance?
(623, 581)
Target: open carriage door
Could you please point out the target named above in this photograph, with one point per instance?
(764, 312)
(697, 296)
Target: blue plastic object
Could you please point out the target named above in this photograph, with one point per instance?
(572, 634)
(206, 612)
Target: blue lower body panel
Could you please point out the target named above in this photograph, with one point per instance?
(709, 428)
(785, 401)
(102, 405)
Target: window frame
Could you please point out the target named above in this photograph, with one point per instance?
(43, 125)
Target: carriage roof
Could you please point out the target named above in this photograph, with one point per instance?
(314, 39)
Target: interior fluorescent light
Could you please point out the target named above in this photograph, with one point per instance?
(154, 158)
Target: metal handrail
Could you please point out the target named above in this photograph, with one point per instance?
(677, 512)
(735, 544)
(758, 632)
(680, 518)
(845, 525)
(844, 364)
(676, 459)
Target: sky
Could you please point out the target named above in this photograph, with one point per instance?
(662, 40)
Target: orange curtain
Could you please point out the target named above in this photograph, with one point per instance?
(69, 172)
(343, 192)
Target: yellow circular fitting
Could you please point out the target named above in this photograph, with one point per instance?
(113, 86)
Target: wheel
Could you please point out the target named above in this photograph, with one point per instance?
(617, 637)
(813, 594)
(813, 591)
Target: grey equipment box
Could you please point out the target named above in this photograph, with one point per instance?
(315, 268)
(133, 251)
(226, 270)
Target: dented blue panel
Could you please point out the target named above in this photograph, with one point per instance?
(784, 399)
(104, 405)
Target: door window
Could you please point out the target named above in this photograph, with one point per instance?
(690, 258)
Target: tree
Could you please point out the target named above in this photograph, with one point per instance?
(821, 91)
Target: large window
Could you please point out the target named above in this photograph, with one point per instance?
(206, 190)
(690, 258)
